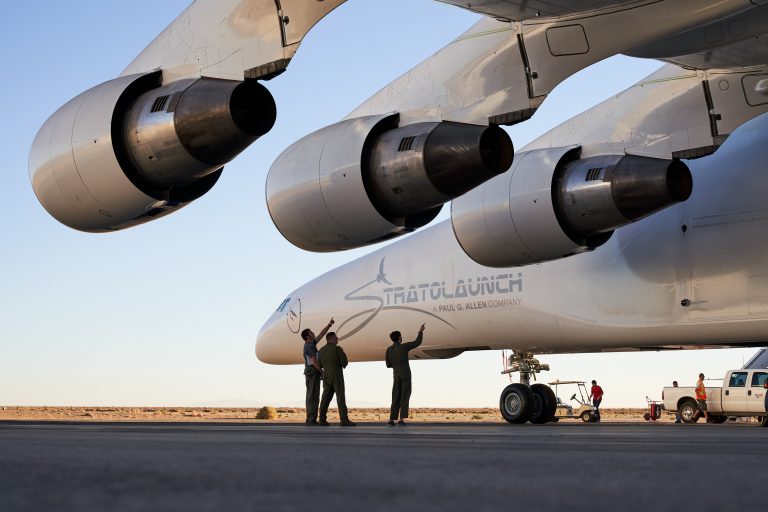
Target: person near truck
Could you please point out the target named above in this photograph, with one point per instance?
(701, 400)
(596, 395)
(312, 372)
(678, 419)
(396, 358)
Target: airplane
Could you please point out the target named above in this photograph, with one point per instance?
(633, 226)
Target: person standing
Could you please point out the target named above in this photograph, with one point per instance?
(701, 400)
(596, 394)
(397, 359)
(677, 413)
(333, 360)
(312, 372)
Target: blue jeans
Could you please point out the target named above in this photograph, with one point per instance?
(596, 403)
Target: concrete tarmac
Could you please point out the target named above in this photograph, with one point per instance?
(446, 467)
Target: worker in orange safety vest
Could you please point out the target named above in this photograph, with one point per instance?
(701, 399)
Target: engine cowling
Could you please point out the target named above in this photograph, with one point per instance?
(366, 180)
(553, 204)
(131, 150)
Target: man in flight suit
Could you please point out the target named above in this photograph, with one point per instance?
(312, 371)
(333, 360)
(397, 359)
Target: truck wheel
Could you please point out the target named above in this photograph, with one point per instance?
(516, 403)
(586, 416)
(687, 411)
(544, 404)
(764, 423)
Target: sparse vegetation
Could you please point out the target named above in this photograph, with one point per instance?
(267, 413)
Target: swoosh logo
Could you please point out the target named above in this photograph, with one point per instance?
(369, 314)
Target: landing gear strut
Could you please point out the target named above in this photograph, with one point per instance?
(525, 402)
(527, 365)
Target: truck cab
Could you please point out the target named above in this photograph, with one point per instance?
(744, 392)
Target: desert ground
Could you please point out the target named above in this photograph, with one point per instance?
(274, 414)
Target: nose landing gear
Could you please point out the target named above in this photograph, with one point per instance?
(521, 402)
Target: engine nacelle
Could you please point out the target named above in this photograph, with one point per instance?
(553, 204)
(131, 150)
(366, 180)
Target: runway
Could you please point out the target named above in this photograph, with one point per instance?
(265, 467)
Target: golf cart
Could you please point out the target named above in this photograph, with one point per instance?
(585, 410)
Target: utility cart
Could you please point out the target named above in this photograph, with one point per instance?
(584, 410)
(654, 409)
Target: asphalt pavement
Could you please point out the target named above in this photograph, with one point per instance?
(371, 467)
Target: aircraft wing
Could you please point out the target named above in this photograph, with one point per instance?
(740, 41)
(147, 143)
(235, 39)
(231, 39)
(519, 10)
(728, 43)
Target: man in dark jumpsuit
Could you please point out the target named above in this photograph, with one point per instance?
(333, 360)
(312, 371)
(397, 359)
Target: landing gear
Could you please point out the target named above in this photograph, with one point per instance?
(516, 403)
(544, 404)
(525, 402)
(527, 365)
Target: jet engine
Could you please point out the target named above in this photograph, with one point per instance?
(131, 149)
(365, 180)
(553, 204)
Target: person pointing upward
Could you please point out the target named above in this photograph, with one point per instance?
(312, 371)
(397, 359)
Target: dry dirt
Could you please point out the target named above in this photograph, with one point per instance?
(279, 414)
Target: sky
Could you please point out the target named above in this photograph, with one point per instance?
(168, 313)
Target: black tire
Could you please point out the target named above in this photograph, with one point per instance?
(544, 404)
(516, 403)
(587, 417)
(764, 422)
(687, 411)
(717, 419)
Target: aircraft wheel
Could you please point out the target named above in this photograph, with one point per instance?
(687, 411)
(516, 403)
(544, 404)
(586, 416)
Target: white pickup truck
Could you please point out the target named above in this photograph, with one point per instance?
(744, 393)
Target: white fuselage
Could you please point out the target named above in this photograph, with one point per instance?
(709, 253)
